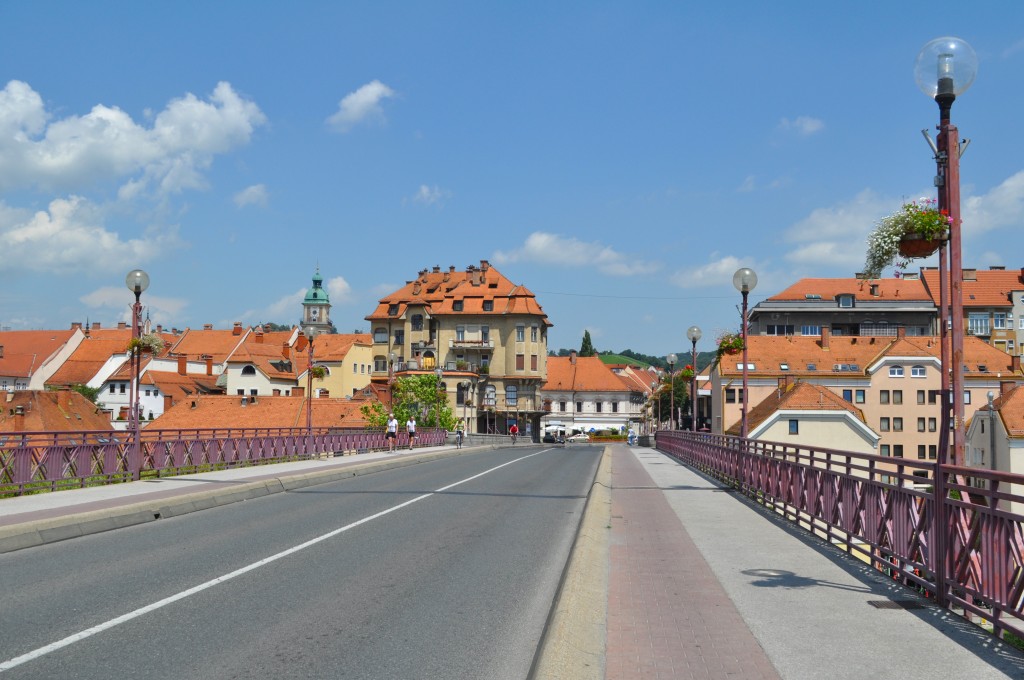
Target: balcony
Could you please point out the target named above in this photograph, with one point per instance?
(466, 343)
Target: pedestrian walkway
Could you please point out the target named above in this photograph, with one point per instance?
(705, 584)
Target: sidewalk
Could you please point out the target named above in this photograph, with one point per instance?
(704, 584)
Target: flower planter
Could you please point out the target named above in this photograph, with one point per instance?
(914, 246)
(731, 351)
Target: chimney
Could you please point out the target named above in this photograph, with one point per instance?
(237, 330)
(19, 418)
(76, 324)
(159, 328)
(207, 326)
(298, 391)
(209, 364)
(1006, 386)
(285, 354)
(824, 337)
(783, 384)
(259, 338)
(182, 364)
(970, 274)
(901, 332)
(416, 288)
(484, 265)
(168, 402)
(96, 325)
(121, 325)
(1014, 361)
(997, 268)
(437, 269)
(572, 357)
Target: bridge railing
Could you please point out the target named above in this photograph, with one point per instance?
(953, 533)
(48, 461)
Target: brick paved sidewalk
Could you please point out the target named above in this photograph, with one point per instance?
(668, 616)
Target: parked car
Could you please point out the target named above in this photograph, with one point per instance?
(550, 438)
(581, 437)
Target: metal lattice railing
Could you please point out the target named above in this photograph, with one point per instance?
(954, 533)
(48, 461)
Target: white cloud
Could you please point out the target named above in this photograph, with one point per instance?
(363, 104)
(162, 310)
(70, 237)
(253, 195)
(105, 144)
(714, 273)
(803, 125)
(1001, 207)
(835, 236)
(554, 249)
(434, 195)
(339, 290)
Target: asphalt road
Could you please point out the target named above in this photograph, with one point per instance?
(441, 570)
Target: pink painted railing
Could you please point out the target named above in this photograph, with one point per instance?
(954, 533)
(42, 461)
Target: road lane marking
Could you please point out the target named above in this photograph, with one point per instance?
(124, 618)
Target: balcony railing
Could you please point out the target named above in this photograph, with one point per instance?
(926, 525)
(470, 344)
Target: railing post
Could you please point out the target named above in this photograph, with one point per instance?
(939, 525)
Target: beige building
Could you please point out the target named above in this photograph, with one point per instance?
(995, 437)
(487, 335)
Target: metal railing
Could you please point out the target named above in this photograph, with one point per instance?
(48, 461)
(931, 527)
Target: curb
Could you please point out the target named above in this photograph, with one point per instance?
(41, 532)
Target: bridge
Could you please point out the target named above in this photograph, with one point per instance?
(738, 557)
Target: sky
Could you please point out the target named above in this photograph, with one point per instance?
(620, 159)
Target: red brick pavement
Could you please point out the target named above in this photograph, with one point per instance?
(668, 616)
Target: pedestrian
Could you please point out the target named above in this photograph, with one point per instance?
(410, 426)
(392, 432)
(460, 429)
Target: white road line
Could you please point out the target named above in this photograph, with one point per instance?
(107, 625)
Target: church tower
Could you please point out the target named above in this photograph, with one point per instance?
(316, 308)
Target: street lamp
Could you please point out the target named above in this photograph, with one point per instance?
(671, 359)
(656, 387)
(465, 384)
(439, 372)
(693, 333)
(311, 332)
(944, 69)
(137, 281)
(744, 280)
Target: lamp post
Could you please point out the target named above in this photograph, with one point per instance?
(693, 333)
(671, 359)
(310, 332)
(465, 384)
(744, 280)
(137, 281)
(656, 387)
(439, 372)
(944, 69)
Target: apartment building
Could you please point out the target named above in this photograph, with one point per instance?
(487, 335)
(583, 394)
(993, 305)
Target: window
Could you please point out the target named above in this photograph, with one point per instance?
(933, 396)
(460, 333)
(883, 397)
(122, 388)
(354, 367)
(917, 371)
(615, 407)
(779, 329)
(148, 393)
(488, 305)
(932, 451)
(417, 322)
(400, 337)
(511, 395)
(897, 424)
(254, 392)
(895, 371)
(533, 333)
(920, 396)
(534, 362)
(520, 362)
(380, 335)
(579, 407)
(112, 386)
(977, 323)
(380, 365)
(456, 305)
(810, 330)
(967, 396)
(597, 406)
(730, 396)
(490, 395)
(999, 320)
(794, 426)
(883, 425)
(248, 370)
(561, 406)
(920, 424)
(897, 450)
(932, 425)
(848, 395)
(846, 301)
(897, 396)
(392, 310)
(241, 393)
(883, 450)
(485, 334)
(520, 333)
(921, 451)
(858, 397)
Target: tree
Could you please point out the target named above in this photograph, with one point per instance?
(415, 395)
(587, 348)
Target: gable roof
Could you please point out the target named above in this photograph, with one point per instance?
(23, 352)
(987, 288)
(50, 411)
(828, 289)
(207, 342)
(799, 396)
(224, 411)
(1010, 407)
(91, 355)
(585, 374)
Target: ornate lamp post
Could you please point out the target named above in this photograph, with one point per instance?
(310, 332)
(671, 359)
(744, 280)
(137, 281)
(693, 333)
(944, 69)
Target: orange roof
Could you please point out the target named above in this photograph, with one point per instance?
(990, 287)
(51, 411)
(1010, 407)
(828, 289)
(800, 396)
(438, 292)
(23, 352)
(223, 411)
(587, 374)
(180, 386)
(90, 356)
(194, 344)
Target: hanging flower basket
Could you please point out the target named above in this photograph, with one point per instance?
(915, 230)
(728, 344)
(146, 344)
(687, 372)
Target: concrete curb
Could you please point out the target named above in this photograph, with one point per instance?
(40, 532)
(573, 644)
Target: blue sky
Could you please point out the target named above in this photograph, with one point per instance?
(621, 160)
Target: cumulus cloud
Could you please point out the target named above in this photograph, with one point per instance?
(714, 273)
(70, 237)
(254, 195)
(363, 104)
(40, 151)
(434, 195)
(1001, 207)
(339, 290)
(162, 310)
(555, 249)
(834, 236)
(805, 126)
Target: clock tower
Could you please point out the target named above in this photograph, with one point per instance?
(316, 307)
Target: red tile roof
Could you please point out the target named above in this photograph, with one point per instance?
(828, 289)
(1010, 407)
(587, 374)
(218, 344)
(991, 287)
(23, 352)
(91, 355)
(224, 411)
(800, 396)
(50, 411)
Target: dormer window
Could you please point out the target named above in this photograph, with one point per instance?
(392, 310)
(845, 301)
(248, 370)
(457, 305)
(488, 305)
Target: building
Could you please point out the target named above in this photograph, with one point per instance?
(486, 334)
(233, 411)
(993, 302)
(29, 358)
(995, 436)
(50, 411)
(316, 307)
(583, 394)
